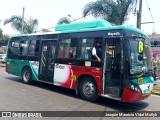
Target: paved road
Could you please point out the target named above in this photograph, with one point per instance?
(16, 96)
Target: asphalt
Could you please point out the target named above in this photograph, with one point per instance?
(157, 83)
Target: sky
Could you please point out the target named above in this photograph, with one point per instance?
(48, 12)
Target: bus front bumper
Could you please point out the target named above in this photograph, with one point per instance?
(131, 96)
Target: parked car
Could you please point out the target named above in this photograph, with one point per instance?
(2, 58)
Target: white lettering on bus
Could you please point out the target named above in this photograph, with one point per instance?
(113, 33)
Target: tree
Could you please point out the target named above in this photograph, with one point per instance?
(30, 26)
(63, 20)
(16, 22)
(1, 33)
(3, 38)
(114, 11)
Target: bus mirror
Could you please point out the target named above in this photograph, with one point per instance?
(140, 57)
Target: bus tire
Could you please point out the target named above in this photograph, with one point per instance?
(88, 89)
(27, 75)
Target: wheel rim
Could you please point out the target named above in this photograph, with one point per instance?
(26, 76)
(88, 88)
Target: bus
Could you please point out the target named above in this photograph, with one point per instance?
(64, 58)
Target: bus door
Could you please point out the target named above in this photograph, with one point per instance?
(47, 60)
(113, 62)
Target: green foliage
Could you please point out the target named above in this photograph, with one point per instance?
(114, 11)
(3, 42)
(3, 38)
(16, 23)
(63, 20)
(1, 33)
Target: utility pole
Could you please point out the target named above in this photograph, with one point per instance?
(139, 15)
(23, 19)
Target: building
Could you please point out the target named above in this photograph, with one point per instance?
(45, 30)
(155, 44)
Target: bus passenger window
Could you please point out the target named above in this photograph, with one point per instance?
(13, 49)
(24, 47)
(33, 48)
(72, 52)
(67, 48)
(87, 45)
(53, 49)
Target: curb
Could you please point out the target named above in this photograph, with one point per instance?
(156, 91)
(2, 65)
(156, 94)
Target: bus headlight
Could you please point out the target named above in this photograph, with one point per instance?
(132, 87)
(139, 90)
(135, 88)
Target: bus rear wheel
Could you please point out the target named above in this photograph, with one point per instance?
(88, 89)
(27, 75)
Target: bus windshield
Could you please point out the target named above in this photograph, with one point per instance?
(137, 65)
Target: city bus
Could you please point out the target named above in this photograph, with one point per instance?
(64, 58)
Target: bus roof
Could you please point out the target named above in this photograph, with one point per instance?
(95, 25)
(83, 25)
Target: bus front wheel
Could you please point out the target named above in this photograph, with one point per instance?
(88, 89)
(27, 75)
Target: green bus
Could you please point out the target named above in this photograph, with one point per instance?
(65, 58)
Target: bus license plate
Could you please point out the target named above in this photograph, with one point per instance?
(140, 80)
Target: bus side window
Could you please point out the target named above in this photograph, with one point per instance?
(24, 47)
(61, 53)
(13, 49)
(67, 48)
(86, 47)
(73, 48)
(33, 48)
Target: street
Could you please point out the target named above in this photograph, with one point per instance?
(17, 96)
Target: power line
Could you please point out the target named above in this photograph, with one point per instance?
(151, 15)
(150, 11)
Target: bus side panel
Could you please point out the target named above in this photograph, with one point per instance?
(15, 67)
(34, 65)
(62, 75)
(96, 73)
(67, 75)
